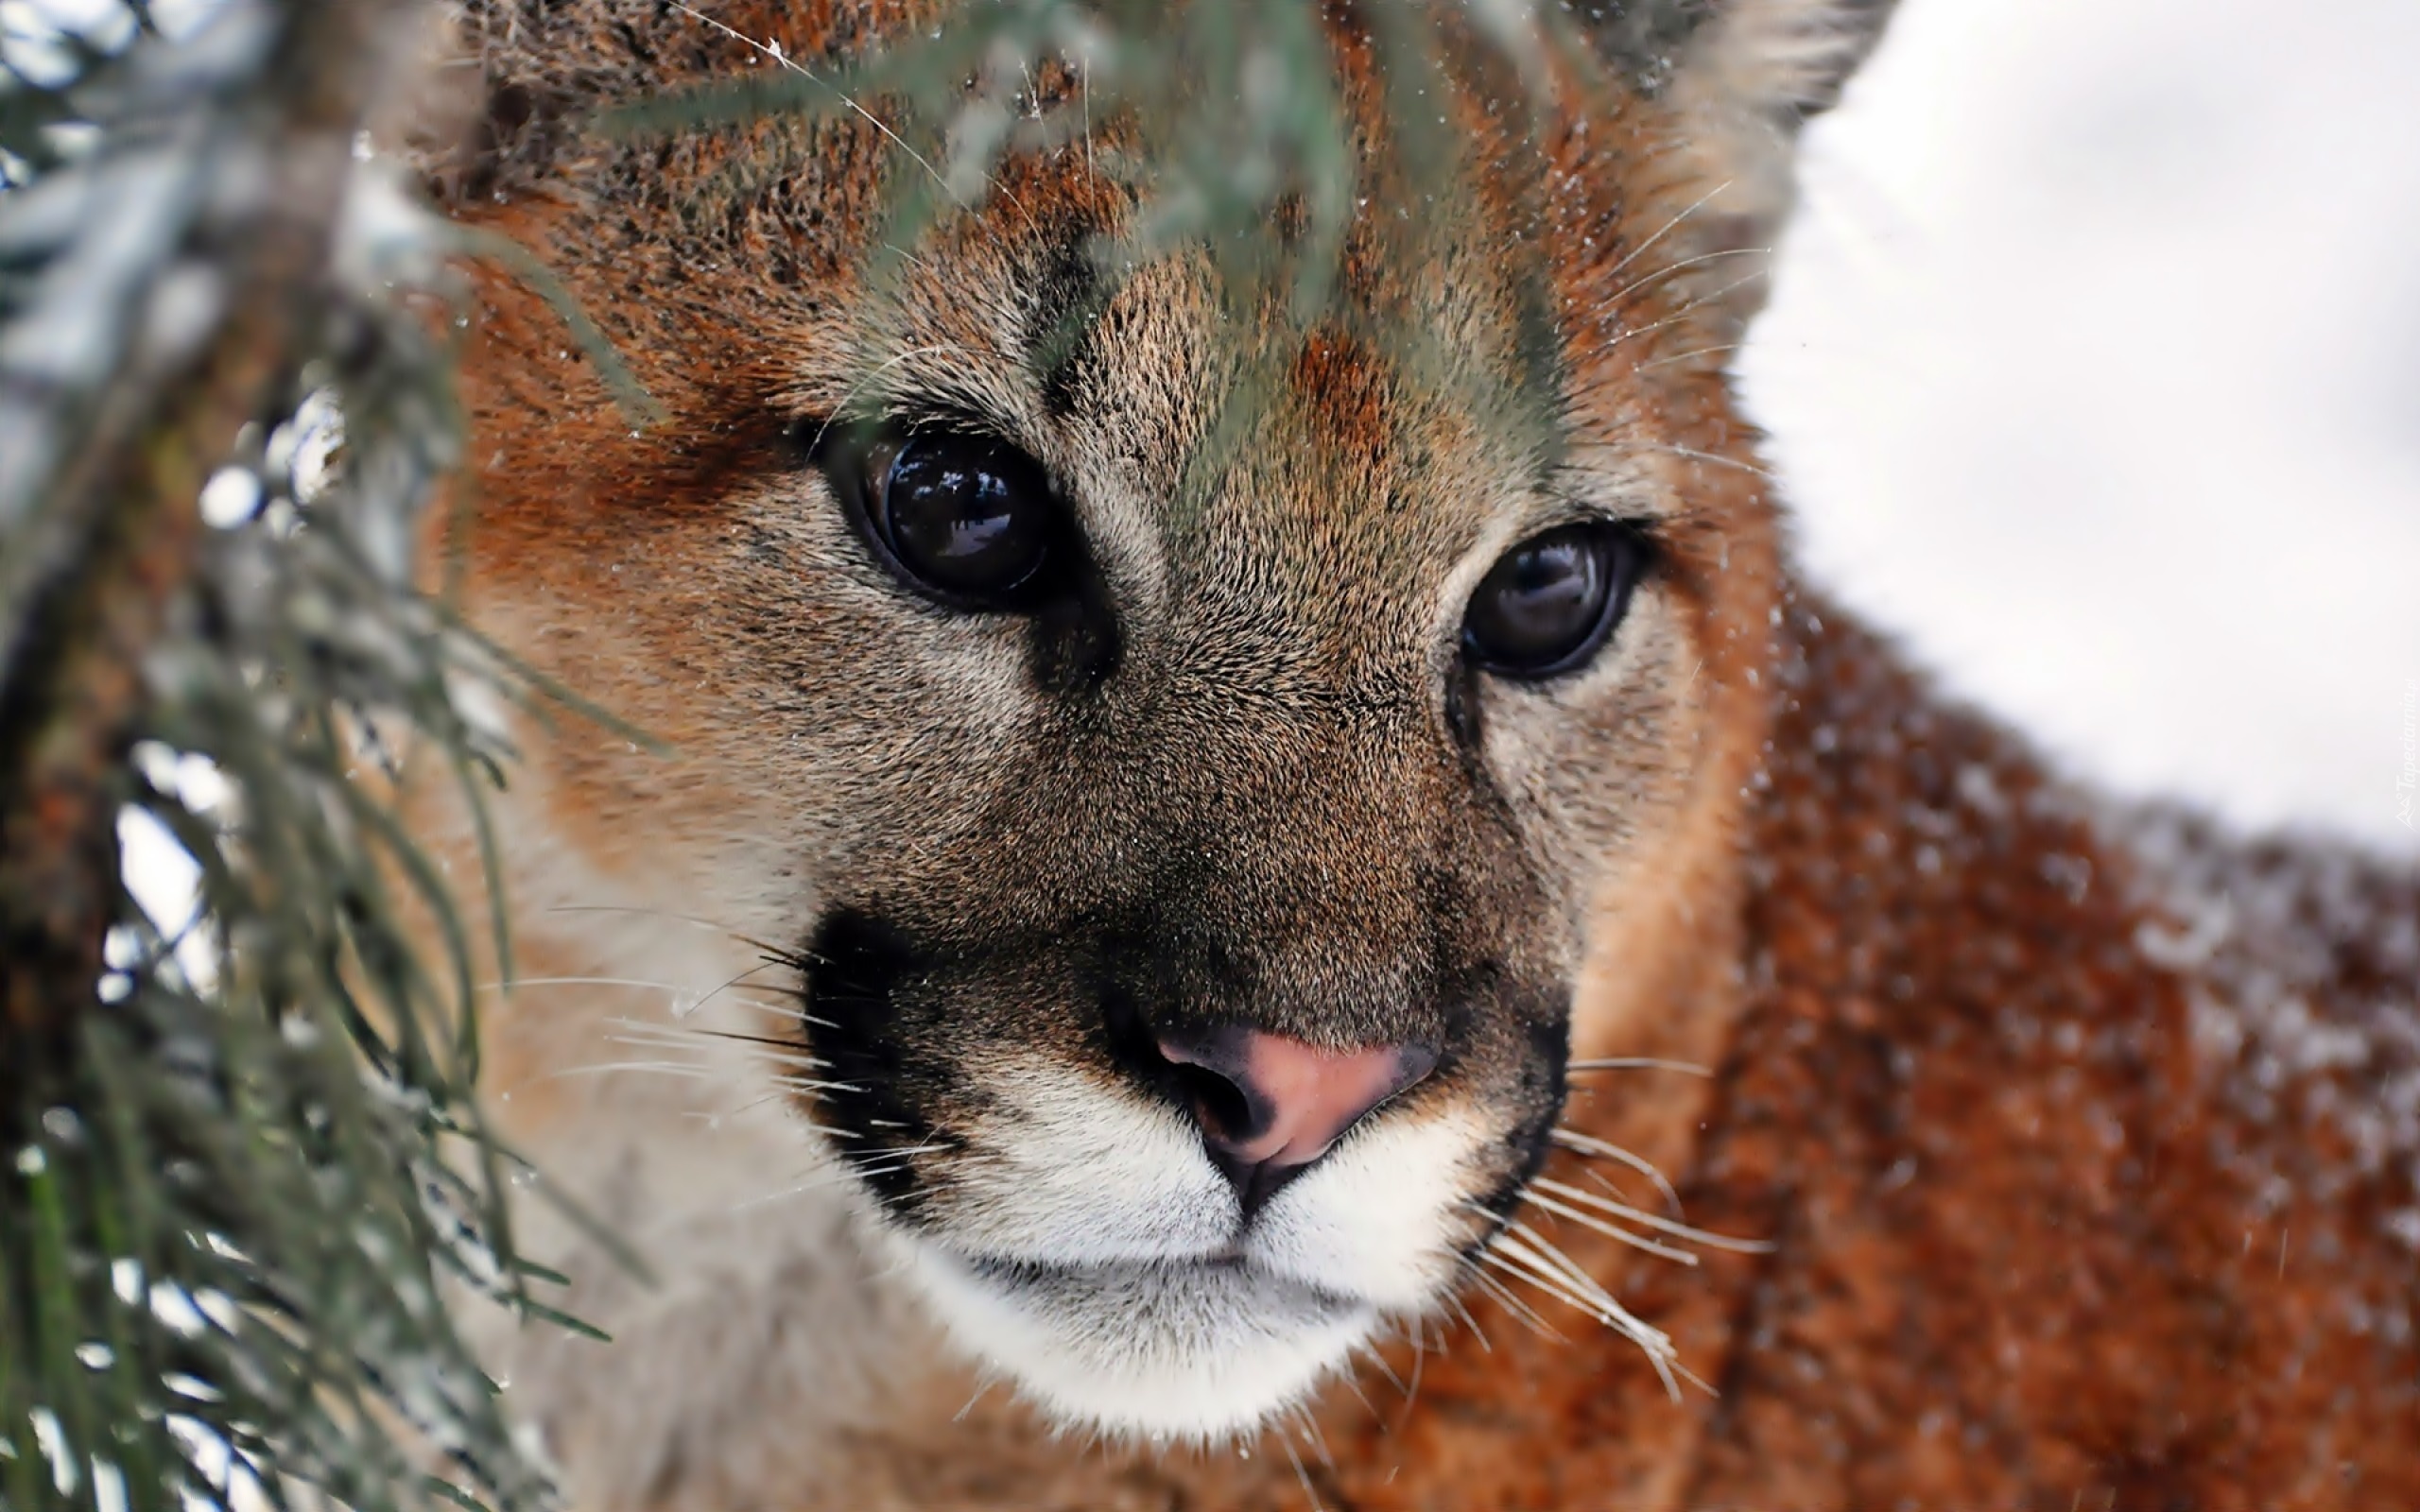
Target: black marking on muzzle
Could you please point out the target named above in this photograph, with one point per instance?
(1545, 1084)
(855, 967)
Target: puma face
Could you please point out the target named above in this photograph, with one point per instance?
(1191, 979)
(1190, 765)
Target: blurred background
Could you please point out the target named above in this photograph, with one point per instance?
(2093, 369)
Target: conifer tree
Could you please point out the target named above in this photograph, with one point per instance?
(239, 1160)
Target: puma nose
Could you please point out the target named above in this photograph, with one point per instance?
(1269, 1105)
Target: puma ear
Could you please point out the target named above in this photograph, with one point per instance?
(1738, 79)
(1783, 59)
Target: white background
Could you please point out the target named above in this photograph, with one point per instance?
(2094, 370)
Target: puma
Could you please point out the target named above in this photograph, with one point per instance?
(1401, 956)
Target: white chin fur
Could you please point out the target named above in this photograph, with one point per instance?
(1185, 1352)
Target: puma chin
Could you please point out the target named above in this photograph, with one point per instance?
(1200, 1326)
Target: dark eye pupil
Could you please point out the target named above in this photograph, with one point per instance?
(966, 515)
(1551, 601)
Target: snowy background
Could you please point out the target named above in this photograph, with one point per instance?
(2093, 369)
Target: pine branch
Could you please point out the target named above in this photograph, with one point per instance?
(243, 1168)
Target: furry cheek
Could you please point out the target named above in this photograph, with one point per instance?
(1066, 1171)
(1388, 1215)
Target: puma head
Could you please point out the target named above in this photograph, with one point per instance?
(1191, 763)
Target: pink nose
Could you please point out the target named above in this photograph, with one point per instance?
(1269, 1105)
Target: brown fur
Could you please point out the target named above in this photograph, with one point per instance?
(2086, 1142)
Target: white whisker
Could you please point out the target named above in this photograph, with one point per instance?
(1472, 1323)
(1377, 1357)
(1420, 1361)
(801, 1188)
(640, 983)
(774, 1100)
(1522, 1312)
(640, 1033)
(683, 1010)
(1554, 1272)
(1300, 1473)
(664, 1068)
(1695, 455)
(1682, 313)
(983, 1383)
(1684, 357)
(1420, 1364)
(1671, 269)
(1611, 1231)
(1667, 229)
(1514, 1259)
(1313, 1437)
(1571, 1139)
(1624, 1210)
(650, 913)
(1637, 1063)
(796, 67)
(781, 1010)
(681, 1004)
(929, 1147)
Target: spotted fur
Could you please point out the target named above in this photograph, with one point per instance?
(2031, 1151)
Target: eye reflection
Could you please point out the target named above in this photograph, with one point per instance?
(1552, 602)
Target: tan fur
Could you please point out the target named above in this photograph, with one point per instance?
(2084, 1143)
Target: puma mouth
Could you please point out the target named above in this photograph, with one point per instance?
(1010, 1275)
(1157, 1220)
(1201, 1349)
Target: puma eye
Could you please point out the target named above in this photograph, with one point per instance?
(968, 519)
(1552, 601)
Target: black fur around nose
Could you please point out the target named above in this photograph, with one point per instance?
(874, 1089)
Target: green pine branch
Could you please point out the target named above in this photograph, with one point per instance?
(242, 1173)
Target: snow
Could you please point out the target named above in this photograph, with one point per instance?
(70, 331)
(2094, 372)
(30, 29)
(230, 498)
(2290, 1033)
